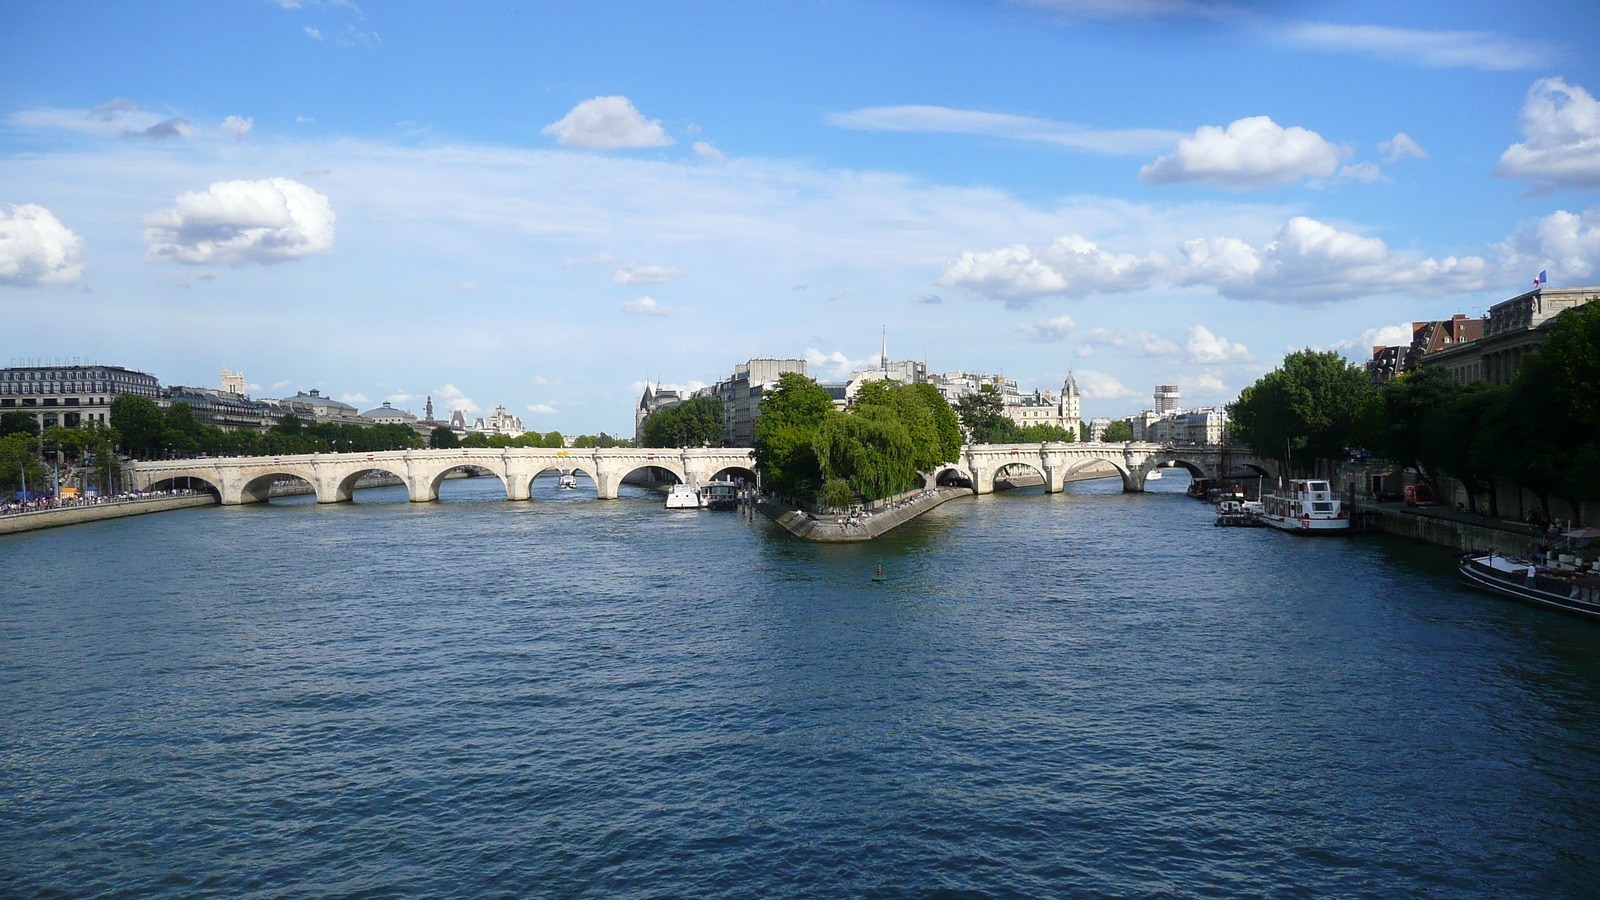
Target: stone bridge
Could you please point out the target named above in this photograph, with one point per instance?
(1056, 462)
(333, 475)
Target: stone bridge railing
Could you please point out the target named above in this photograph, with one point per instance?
(333, 475)
(1057, 462)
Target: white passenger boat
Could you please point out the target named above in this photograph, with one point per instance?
(719, 495)
(1555, 587)
(684, 497)
(568, 482)
(1308, 506)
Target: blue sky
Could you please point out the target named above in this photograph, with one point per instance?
(542, 205)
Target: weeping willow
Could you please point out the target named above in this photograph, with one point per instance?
(871, 448)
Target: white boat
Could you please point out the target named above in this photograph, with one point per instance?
(568, 482)
(719, 495)
(684, 497)
(1308, 506)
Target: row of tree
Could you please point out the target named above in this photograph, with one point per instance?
(878, 447)
(1541, 432)
(696, 422)
(983, 415)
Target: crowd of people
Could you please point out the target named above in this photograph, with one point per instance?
(42, 504)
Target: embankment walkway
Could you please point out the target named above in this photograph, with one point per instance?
(835, 528)
(16, 523)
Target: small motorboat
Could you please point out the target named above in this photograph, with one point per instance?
(1233, 514)
(568, 482)
(683, 496)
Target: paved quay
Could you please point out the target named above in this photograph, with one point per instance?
(838, 529)
(1459, 530)
(95, 512)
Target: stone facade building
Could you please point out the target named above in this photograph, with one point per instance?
(71, 395)
(1513, 329)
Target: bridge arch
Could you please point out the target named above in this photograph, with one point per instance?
(951, 475)
(475, 466)
(1006, 469)
(734, 472)
(256, 487)
(1195, 470)
(186, 482)
(345, 491)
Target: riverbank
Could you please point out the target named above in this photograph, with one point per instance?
(1450, 528)
(837, 529)
(77, 515)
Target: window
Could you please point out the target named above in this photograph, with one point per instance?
(1322, 507)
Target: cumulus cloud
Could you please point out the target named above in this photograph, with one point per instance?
(645, 275)
(36, 249)
(1201, 346)
(354, 398)
(115, 118)
(1566, 244)
(1399, 147)
(607, 123)
(1051, 330)
(1142, 343)
(836, 365)
(1385, 336)
(1073, 266)
(168, 128)
(541, 380)
(238, 126)
(1100, 386)
(929, 300)
(709, 152)
(1249, 154)
(1561, 137)
(1436, 49)
(944, 120)
(1306, 262)
(455, 399)
(541, 408)
(644, 306)
(238, 222)
(313, 33)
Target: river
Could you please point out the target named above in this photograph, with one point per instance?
(1087, 694)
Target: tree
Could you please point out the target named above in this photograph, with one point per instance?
(696, 422)
(1039, 434)
(928, 419)
(871, 448)
(17, 460)
(180, 431)
(442, 438)
(18, 423)
(1313, 407)
(837, 493)
(140, 422)
(791, 412)
(983, 415)
(1410, 408)
(1118, 432)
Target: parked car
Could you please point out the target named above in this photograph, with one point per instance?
(1419, 495)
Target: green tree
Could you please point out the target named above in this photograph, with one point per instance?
(983, 415)
(696, 422)
(791, 412)
(18, 423)
(180, 431)
(1039, 434)
(871, 448)
(837, 493)
(1410, 409)
(1313, 407)
(140, 422)
(442, 438)
(17, 460)
(1118, 432)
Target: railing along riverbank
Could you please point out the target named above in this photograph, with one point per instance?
(34, 515)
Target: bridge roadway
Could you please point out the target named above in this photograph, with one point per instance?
(333, 475)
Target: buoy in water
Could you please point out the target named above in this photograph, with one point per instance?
(879, 575)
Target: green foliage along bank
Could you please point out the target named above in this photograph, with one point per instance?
(1541, 432)
(983, 415)
(878, 447)
(693, 423)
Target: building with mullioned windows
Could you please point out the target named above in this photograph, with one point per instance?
(71, 394)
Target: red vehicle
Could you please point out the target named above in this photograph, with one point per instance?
(1419, 495)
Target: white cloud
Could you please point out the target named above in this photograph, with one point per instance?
(1386, 336)
(455, 399)
(1249, 154)
(237, 222)
(644, 306)
(36, 249)
(1201, 346)
(1362, 171)
(116, 118)
(944, 120)
(238, 126)
(685, 388)
(280, 385)
(836, 365)
(1203, 385)
(301, 120)
(541, 380)
(607, 123)
(1051, 330)
(465, 286)
(167, 128)
(253, 388)
(645, 275)
(1072, 266)
(316, 35)
(1100, 386)
(186, 279)
(1567, 244)
(1436, 49)
(1142, 343)
(1399, 147)
(709, 152)
(541, 408)
(578, 262)
(354, 398)
(1561, 131)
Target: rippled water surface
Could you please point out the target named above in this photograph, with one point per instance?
(1081, 695)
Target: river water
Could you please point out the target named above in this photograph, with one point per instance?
(1087, 694)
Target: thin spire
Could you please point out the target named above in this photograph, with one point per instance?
(885, 348)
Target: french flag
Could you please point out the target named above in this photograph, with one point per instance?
(1544, 278)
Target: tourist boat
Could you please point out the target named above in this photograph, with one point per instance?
(568, 482)
(683, 496)
(1309, 506)
(1556, 587)
(719, 495)
(1233, 514)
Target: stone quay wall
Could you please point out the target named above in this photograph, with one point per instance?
(77, 515)
(1459, 532)
(835, 529)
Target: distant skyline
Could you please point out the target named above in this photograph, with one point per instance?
(545, 205)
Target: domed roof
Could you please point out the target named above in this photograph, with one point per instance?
(387, 411)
